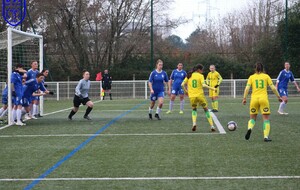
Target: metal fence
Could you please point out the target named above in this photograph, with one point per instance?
(139, 89)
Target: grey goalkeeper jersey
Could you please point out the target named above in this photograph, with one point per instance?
(82, 88)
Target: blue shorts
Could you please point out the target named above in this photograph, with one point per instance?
(17, 100)
(155, 96)
(4, 100)
(177, 90)
(35, 98)
(26, 101)
(283, 92)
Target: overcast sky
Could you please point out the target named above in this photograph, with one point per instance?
(196, 12)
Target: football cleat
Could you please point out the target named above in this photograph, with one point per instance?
(267, 139)
(70, 118)
(150, 116)
(157, 116)
(19, 123)
(181, 112)
(33, 117)
(168, 112)
(247, 136)
(87, 117)
(214, 110)
(194, 128)
(212, 129)
(282, 113)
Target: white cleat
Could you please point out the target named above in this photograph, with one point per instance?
(282, 113)
(33, 117)
(27, 116)
(19, 123)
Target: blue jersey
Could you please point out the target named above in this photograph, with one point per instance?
(157, 79)
(16, 79)
(32, 86)
(177, 77)
(283, 79)
(31, 74)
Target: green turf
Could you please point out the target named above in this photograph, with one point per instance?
(135, 147)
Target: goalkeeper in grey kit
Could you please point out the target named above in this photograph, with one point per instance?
(82, 97)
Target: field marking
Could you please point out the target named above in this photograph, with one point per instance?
(79, 147)
(111, 135)
(49, 114)
(153, 178)
(218, 124)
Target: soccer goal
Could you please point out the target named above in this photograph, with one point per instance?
(18, 47)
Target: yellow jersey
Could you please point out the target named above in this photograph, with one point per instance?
(194, 85)
(213, 79)
(259, 83)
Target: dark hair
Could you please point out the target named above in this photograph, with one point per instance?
(195, 68)
(38, 75)
(259, 67)
(83, 71)
(19, 65)
(44, 70)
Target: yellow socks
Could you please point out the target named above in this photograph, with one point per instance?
(209, 118)
(266, 128)
(194, 117)
(251, 123)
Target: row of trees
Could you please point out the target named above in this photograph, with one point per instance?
(115, 35)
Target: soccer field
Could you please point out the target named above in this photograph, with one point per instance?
(121, 149)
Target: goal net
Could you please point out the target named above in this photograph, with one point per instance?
(17, 47)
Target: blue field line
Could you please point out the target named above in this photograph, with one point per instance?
(60, 162)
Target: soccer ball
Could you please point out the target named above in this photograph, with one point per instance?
(231, 125)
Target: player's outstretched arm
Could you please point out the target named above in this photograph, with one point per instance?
(209, 87)
(296, 85)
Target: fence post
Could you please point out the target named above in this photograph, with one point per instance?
(57, 91)
(146, 92)
(133, 88)
(234, 88)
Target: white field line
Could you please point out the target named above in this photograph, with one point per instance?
(108, 135)
(153, 178)
(218, 124)
(1, 128)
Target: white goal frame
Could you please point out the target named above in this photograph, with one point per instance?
(10, 32)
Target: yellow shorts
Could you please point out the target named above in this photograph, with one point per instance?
(201, 101)
(261, 104)
(213, 93)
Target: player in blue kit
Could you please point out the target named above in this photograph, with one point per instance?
(3, 110)
(31, 74)
(282, 86)
(157, 79)
(32, 86)
(17, 93)
(176, 78)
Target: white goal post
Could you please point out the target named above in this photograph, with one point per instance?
(28, 47)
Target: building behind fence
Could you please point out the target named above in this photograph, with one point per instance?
(139, 89)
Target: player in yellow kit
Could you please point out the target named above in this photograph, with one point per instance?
(214, 79)
(259, 82)
(193, 85)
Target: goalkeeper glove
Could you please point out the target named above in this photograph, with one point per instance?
(51, 93)
(217, 86)
(45, 85)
